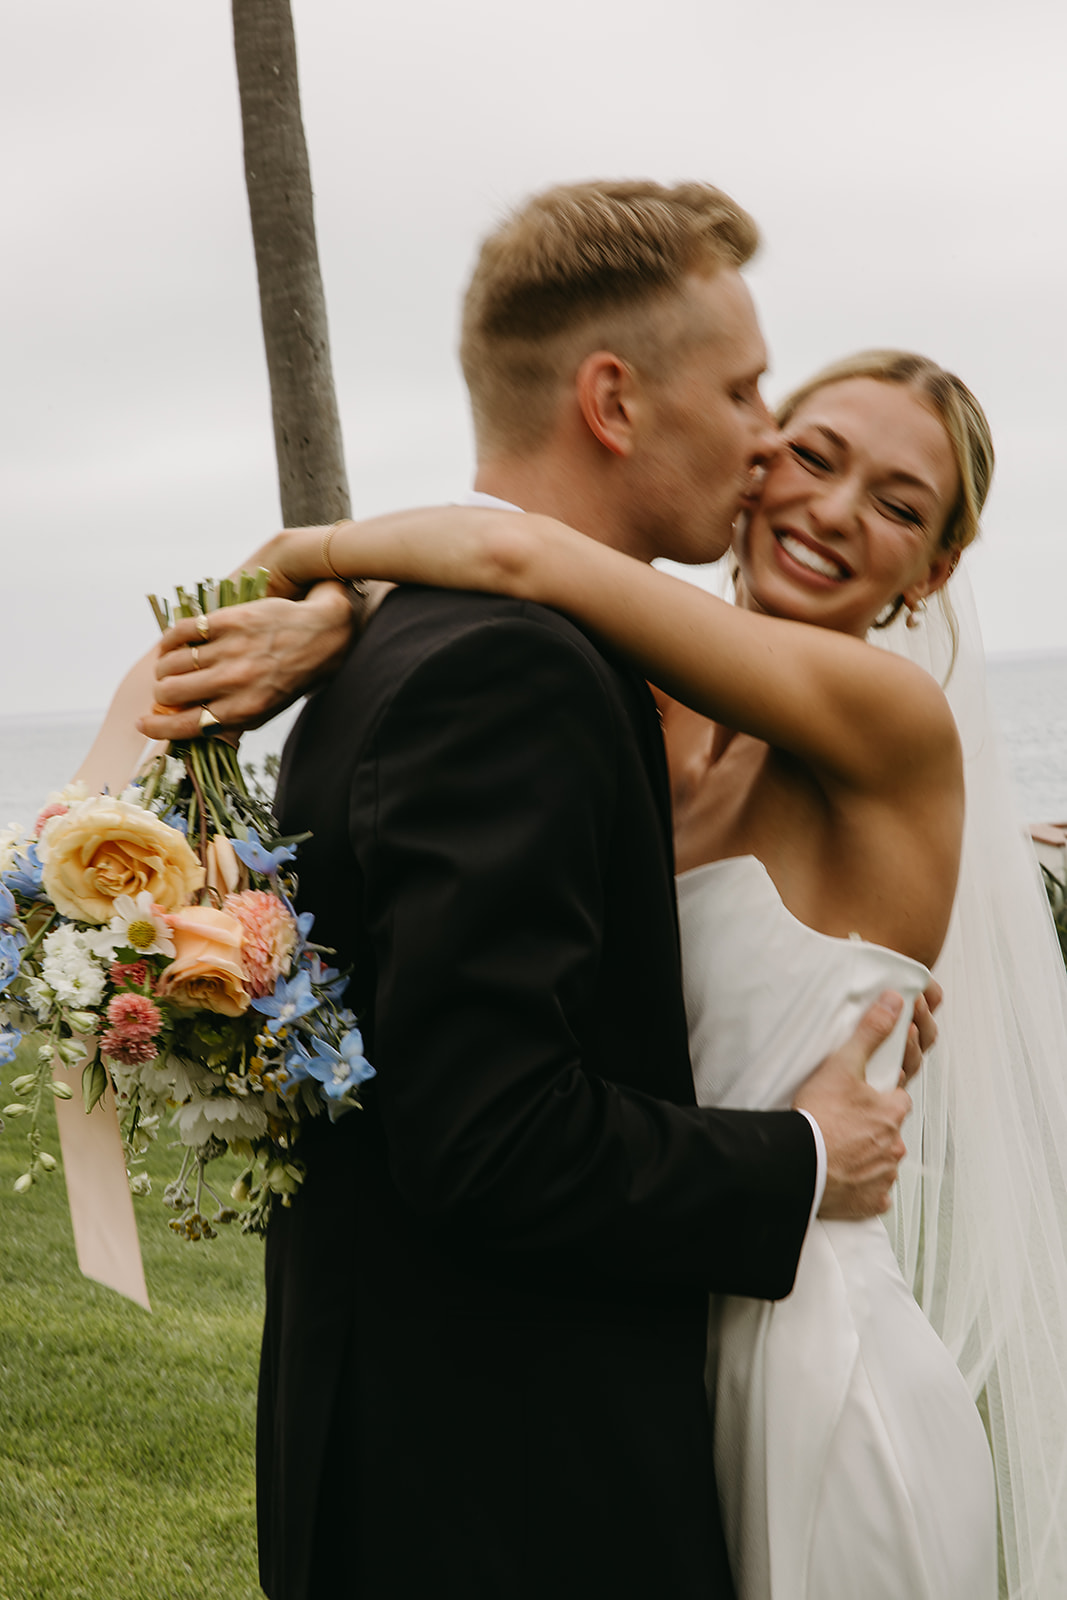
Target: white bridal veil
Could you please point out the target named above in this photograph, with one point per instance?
(980, 1219)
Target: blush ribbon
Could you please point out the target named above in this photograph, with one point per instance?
(98, 1190)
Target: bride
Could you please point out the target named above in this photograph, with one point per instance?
(818, 799)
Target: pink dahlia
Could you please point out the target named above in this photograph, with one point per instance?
(269, 937)
(136, 1011)
(130, 1046)
(135, 973)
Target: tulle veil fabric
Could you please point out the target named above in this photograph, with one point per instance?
(980, 1216)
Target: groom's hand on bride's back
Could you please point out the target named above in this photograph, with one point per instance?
(256, 659)
(861, 1125)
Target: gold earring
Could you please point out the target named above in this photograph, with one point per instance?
(915, 613)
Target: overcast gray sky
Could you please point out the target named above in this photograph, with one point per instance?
(907, 163)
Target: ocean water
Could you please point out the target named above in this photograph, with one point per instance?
(40, 753)
(1029, 695)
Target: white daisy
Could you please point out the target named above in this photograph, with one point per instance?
(137, 925)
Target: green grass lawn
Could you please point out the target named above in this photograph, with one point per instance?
(126, 1437)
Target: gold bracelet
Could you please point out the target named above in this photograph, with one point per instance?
(327, 536)
(357, 585)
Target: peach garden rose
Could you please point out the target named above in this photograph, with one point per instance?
(207, 974)
(106, 847)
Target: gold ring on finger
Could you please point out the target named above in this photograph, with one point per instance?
(195, 652)
(203, 627)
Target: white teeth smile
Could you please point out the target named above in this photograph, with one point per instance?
(807, 557)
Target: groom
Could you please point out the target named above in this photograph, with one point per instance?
(482, 1370)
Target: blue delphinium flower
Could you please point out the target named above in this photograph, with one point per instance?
(176, 819)
(10, 948)
(8, 909)
(296, 1064)
(339, 1071)
(288, 1002)
(10, 1039)
(352, 1050)
(25, 876)
(259, 859)
(328, 979)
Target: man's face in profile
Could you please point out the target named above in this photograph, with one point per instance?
(707, 427)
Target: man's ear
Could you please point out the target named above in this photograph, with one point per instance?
(605, 390)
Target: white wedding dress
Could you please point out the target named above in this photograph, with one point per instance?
(851, 1460)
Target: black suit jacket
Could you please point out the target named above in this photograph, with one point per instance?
(483, 1359)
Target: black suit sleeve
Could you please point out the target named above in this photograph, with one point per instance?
(480, 810)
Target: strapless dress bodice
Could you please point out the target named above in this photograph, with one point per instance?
(850, 1458)
(767, 997)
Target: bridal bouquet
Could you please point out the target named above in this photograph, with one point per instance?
(152, 935)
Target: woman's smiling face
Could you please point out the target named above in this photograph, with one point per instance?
(852, 509)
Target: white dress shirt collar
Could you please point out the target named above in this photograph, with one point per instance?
(475, 497)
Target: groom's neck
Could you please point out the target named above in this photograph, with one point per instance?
(557, 489)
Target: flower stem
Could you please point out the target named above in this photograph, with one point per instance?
(39, 935)
(194, 778)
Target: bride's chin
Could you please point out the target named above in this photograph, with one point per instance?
(771, 599)
(798, 606)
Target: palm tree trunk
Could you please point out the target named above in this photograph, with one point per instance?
(307, 430)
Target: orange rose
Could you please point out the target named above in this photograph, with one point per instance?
(207, 973)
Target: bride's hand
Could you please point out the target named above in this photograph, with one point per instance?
(257, 659)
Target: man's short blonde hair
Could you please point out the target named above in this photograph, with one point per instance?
(584, 267)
